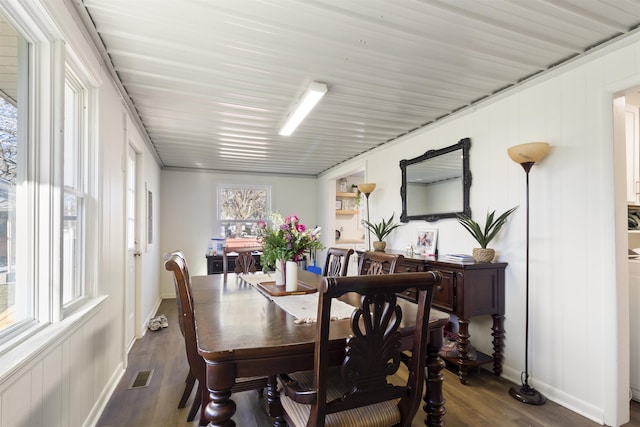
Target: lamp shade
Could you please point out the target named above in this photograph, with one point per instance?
(530, 152)
(367, 188)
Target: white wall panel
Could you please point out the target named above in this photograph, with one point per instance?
(188, 206)
(573, 285)
(52, 386)
(16, 404)
(69, 380)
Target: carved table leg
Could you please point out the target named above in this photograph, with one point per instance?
(433, 398)
(498, 343)
(463, 350)
(273, 402)
(220, 379)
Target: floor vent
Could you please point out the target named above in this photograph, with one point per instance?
(141, 380)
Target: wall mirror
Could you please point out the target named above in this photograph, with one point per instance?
(436, 184)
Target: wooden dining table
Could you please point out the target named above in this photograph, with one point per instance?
(243, 333)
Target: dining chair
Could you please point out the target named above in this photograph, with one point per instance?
(191, 378)
(337, 262)
(374, 262)
(359, 393)
(176, 263)
(244, 262)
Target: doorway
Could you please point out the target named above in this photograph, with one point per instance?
(626, 107)
(132, 251)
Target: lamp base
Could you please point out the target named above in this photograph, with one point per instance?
(526, 394)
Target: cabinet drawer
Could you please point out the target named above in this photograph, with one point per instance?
(444, 296)
(215, 266)
(409, 294)
(407, 266)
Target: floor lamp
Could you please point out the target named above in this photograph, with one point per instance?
(527, 155)
(367, 189)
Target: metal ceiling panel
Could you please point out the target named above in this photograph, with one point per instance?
(213, 81)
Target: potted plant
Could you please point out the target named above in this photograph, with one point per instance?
(484, 235)
(285, 240)
(381, 230)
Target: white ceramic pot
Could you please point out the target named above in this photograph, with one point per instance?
(291, 281)
(279, 272)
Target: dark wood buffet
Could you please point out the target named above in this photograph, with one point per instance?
(467, 291)
(215, 263)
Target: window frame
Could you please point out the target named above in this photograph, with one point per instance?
(78, 189)
(220, 220)
(25, 192)
(39, 197)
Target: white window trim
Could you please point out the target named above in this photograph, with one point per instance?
(40, 266)
(220, 220)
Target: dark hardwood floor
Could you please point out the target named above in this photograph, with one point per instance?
(486, 402)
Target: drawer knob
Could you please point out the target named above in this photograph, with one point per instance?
(439, 288)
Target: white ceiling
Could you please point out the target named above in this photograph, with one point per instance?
(213, 80)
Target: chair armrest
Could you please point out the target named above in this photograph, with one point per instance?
(295, 392)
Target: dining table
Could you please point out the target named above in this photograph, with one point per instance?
(242, 332)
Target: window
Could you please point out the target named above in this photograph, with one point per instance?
(47, 183)
(16, 294)
(75, 189)
(240, 207)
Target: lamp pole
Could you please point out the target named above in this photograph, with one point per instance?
(527, 155)
(367, 189)
(526, 393)
(368, 220)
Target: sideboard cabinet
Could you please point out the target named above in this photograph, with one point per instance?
(215, 263)
(467, 291)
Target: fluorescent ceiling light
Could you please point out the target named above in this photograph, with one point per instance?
(309, 99)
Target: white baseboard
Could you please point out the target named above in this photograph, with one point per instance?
(570, 402)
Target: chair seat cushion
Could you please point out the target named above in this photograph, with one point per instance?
(382, 414)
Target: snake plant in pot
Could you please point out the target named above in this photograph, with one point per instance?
(381, 230)
(484, 235)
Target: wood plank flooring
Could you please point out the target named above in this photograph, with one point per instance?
(486, 402)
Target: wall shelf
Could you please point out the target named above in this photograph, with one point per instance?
(346, 212)
(340, 194)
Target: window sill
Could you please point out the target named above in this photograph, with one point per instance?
(20, 351)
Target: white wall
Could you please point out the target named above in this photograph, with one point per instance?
(577, 304)
(65, 375)
(188, 210)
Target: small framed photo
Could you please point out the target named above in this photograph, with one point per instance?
(427, 241)
(338, 204)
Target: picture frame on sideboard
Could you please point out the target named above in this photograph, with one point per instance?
(427, 241)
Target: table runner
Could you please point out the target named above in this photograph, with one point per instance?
(303, 307)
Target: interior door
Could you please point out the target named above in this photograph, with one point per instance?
(130, 292)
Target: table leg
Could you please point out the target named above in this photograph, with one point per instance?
(433, 397)
(463, 350)
(273, 403)
(498, 343)
(220, 379)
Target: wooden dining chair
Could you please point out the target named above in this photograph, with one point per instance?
(191, 378)
(374, 262)
(176, 263)
(337, 262)
(244, 263)
(358, 392)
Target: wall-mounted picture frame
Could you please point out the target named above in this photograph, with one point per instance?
(149, 217)
(427, 241)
